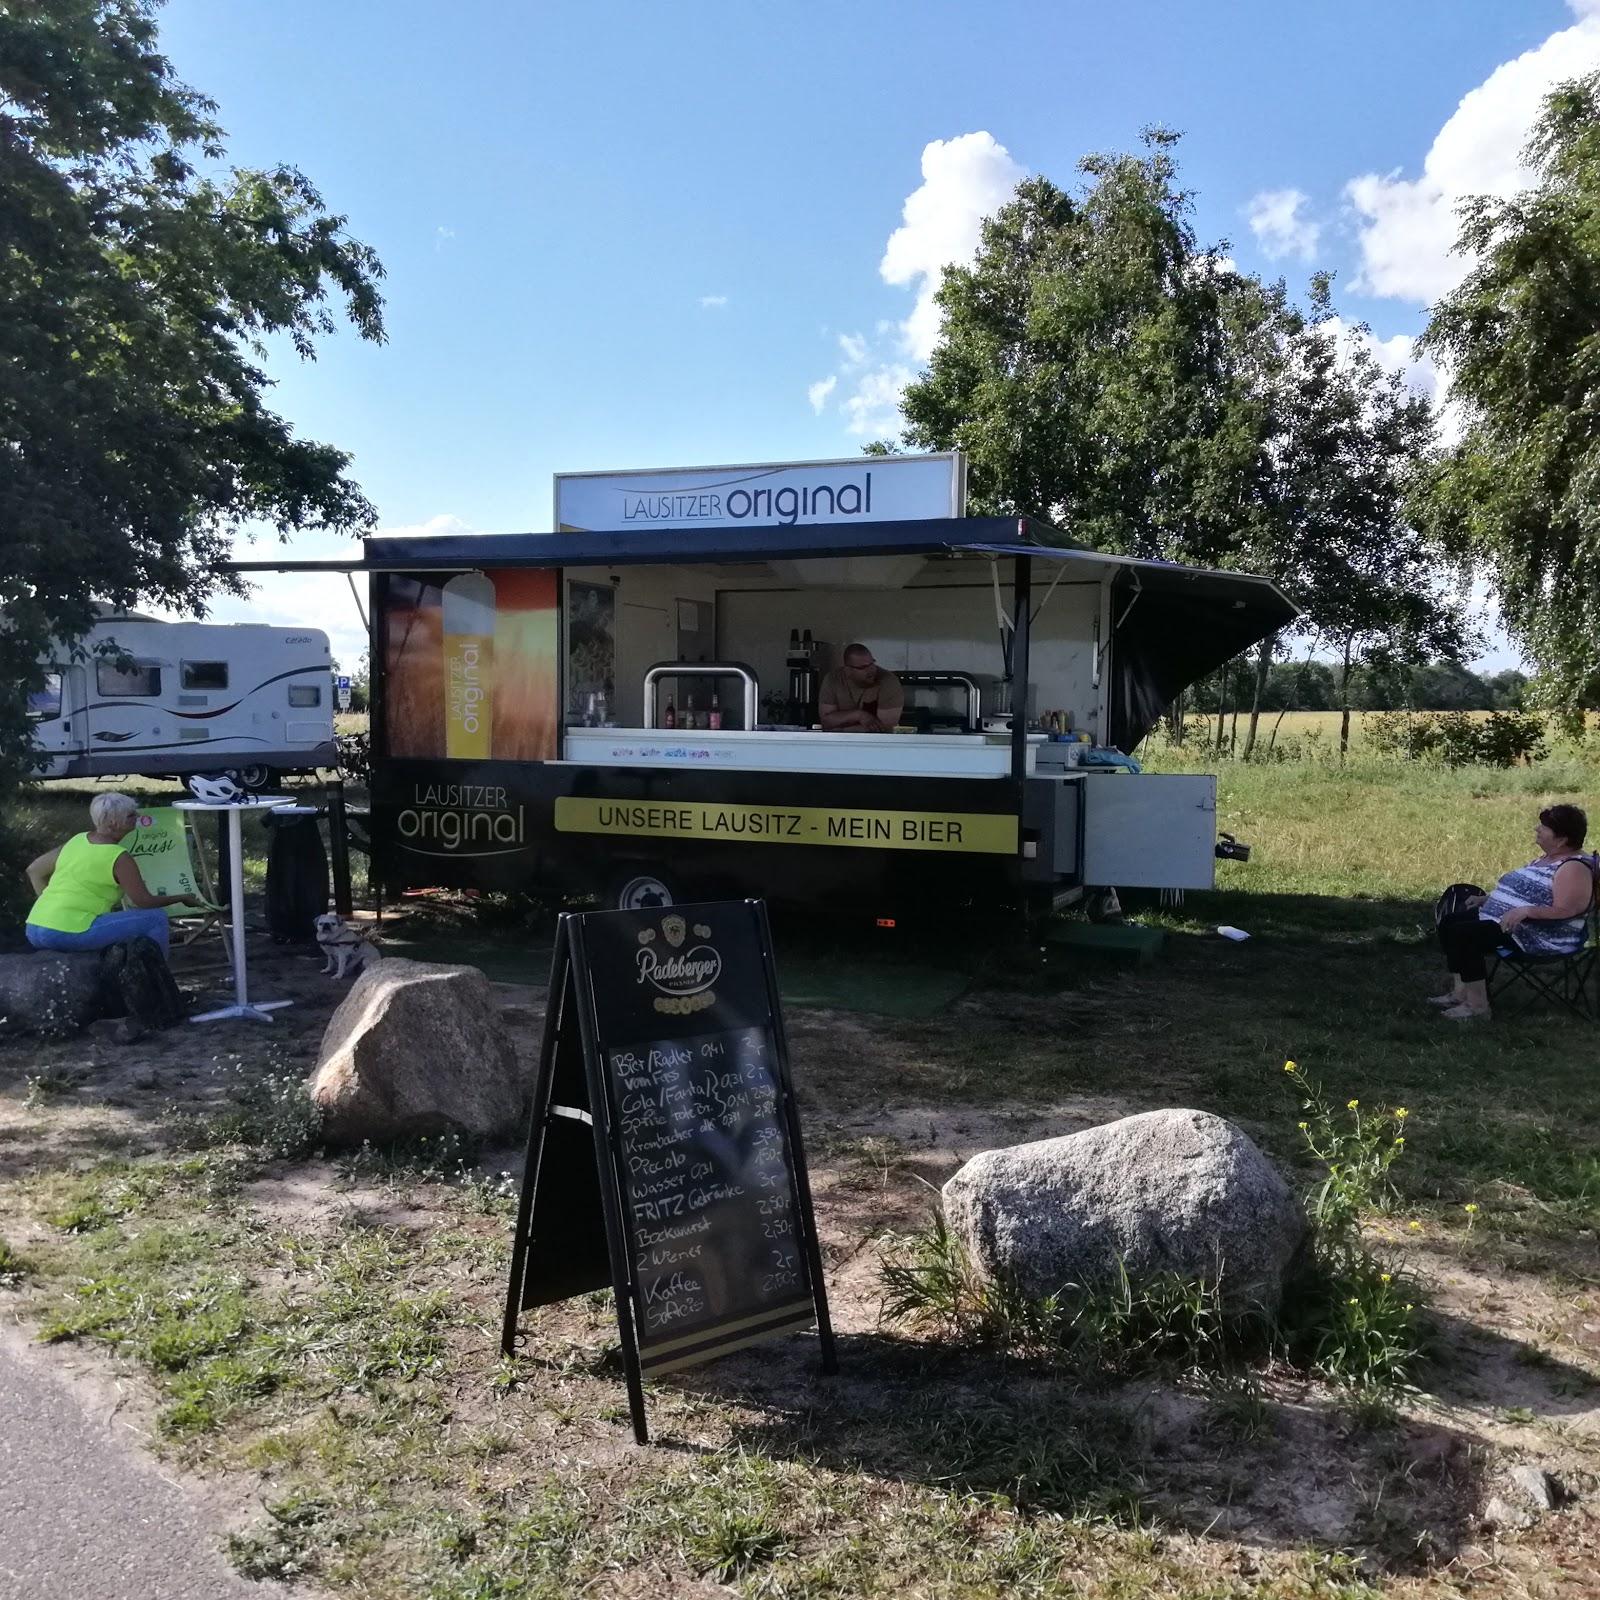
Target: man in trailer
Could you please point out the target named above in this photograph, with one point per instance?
(859, 696)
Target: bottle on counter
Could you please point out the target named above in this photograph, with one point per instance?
(714, 721)
(691, 717)
(670, 719)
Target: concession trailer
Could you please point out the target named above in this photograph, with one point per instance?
(630, 711)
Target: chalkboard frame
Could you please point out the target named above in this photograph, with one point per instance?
(542, 1271)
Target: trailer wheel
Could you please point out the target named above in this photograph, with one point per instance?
(641, 891)
(255, 777)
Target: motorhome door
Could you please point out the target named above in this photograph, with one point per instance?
(60, 719)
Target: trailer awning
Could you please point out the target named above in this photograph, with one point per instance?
(1171, 624)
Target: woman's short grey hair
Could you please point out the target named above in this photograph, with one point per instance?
(111, 813)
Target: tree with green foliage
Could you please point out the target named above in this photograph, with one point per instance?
(1350, 438)
(1104, 371)
(1087, 366)
(1519, 496)
(141, 280)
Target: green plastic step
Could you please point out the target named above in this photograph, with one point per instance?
(1109, 938)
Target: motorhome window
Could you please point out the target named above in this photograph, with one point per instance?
(204, 675)
(302, 695)
(111, 678)
(46, 702)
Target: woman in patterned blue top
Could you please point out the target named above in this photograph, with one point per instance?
(1541, 908)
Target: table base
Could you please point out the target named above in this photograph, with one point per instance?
(257, 1010)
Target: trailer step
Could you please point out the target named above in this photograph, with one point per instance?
(1109, 938)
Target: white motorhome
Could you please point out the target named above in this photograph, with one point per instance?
(140, 697)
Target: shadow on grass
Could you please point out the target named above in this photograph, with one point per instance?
(1302, 917)
(1277, 1463)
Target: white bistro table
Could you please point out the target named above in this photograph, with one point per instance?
(242, 1005)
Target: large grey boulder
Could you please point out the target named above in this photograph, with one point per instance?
(1167, 1191)
(52, 993)
(418, 1048)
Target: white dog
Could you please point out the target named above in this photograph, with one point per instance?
(344, 950)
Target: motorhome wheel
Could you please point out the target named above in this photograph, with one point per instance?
(254, 778)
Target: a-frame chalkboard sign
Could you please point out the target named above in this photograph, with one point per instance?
(664, 1152)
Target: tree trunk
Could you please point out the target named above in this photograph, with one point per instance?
(1222, 705)
(1263, 666)
(1175, 721)
(1344, 700)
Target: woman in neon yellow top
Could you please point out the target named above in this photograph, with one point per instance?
(80, 885)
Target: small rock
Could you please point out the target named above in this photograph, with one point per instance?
(1497, 1514)
(1537, 1485)
(1435, 1454)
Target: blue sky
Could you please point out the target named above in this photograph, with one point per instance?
(646, 234)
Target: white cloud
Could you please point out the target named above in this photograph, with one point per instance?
(713, 302)
(1393, 354)
(873, 409)
(964, 180)
(818, 393)
(1276, 218)
(1408, 225)
(442, 236)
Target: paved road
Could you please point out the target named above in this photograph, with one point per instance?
(84, 1515)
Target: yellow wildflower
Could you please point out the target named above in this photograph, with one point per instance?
(1414, 1225)
(1350, 1105)
(1401, 1113)
(1302, 1126)
(1354, 1301)
(1399, 1142)
(1471, 1210)
(1384, 1277)
(1289, 1066)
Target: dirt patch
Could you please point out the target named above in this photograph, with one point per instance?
(890, 1110)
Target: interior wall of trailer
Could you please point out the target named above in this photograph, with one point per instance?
(942, 621)
(925, 627)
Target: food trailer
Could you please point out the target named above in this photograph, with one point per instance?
(626, 709)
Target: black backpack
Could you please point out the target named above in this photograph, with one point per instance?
(1454, 899)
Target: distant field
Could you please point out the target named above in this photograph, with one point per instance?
(1321, 726)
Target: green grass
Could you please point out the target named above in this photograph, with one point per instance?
(353, 1366)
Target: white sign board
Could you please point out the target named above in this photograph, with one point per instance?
(341, 693)
(775, 495)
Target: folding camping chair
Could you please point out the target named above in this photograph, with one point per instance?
(171, 860)
(1563, 979)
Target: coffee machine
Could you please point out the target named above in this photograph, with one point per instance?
(804, 678)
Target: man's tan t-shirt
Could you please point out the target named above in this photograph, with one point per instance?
(883, 697)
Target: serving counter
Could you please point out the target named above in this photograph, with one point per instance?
(927, 755)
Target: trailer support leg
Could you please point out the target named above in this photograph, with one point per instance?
(339, 849)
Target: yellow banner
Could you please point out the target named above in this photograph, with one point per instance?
(975, 832)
